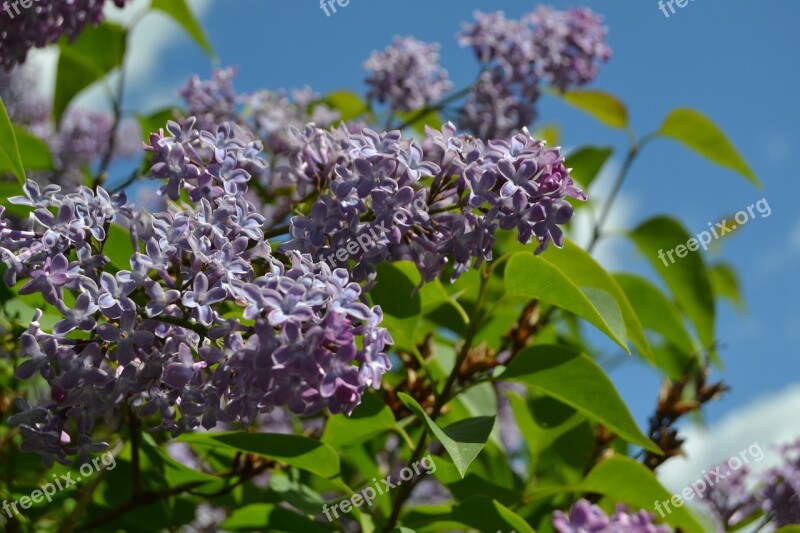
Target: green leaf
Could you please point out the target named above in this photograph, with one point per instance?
(269, 517)
(10, 158)
(575, 379)
(700, 134)
(432, 119)
(583, 270)
(542, 421)
(789, 529)
(179, 11)
(463, 440)
(726, 284)
(485, 514)
(605, 107)
(34, 151)
(550, 133)
(95, 53)
(655, 311)
(348, 103)
(625, 480)
(587, 162)
(119, 247)
(533, 277)
(687, 277)
(155, 120)
(370, 418)
(294, 450)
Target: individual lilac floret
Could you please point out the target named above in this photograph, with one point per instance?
(44, 23)
(587, 518)
(407, 75)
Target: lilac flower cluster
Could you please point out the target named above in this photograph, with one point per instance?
(780, 495)
(730, 499)
(44, 23)
(207, 326)
(267, 116)
(561, 48)
(370, 184)
(587, 518)
(776, 492)
(407, 75)
(569, 45)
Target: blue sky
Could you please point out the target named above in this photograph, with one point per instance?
(736, 61)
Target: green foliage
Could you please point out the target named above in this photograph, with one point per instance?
(94, 54)
(534, 277)
(687, 277)
(587, 162)
(179, 11)
(575, 379)
(10, 159)
(603, 106)
(463, 440)
(624, 480)
(302, 452)
(695, 130)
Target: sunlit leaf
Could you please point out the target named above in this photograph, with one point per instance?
(698, 132)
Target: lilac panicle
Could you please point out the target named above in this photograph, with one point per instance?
(545, 47)
(206, 325)
(730, 499)
(780, 492)
(587, 518)
(373, 199)
(407, 75)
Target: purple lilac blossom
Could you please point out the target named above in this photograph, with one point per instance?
(780, 495)
(407, 75)
(730, 499)
(569, 45)
(587, 518)
(306, 339)
(44, 23)
(373, 193)
(264, 115)
(546, 46)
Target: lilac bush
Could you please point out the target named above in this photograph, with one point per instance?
(326, 288)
